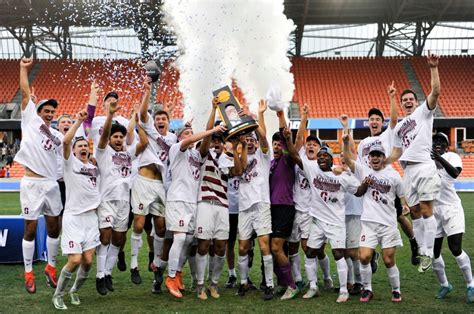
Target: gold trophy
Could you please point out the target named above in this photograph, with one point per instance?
(229, 108)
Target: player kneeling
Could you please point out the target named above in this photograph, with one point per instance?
(380, 185)
(80, 223)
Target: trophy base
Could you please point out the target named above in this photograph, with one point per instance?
(240, 130)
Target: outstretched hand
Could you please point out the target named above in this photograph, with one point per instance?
(433, 59)
(81, 115)
(305, 111)
(147, 84)
(219, 129)
(262, 106)
(367, 181)
(287, 134)
(391, 90)
(33, 95)
(26, 62)
(215, 102)
(113, 107)
(344, 119)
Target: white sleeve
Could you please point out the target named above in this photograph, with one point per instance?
(349, 183)
(175, 153)
(397, 141)
(29, 112)
(133, 151)
(454, 160)
(398, 185)
(148, 126)
(225, 163)
(425, 112)
(101, 156)
(359, 170)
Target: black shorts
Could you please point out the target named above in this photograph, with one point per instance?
(62, 190)
(233, 224)
(398, 206)
(282, 220)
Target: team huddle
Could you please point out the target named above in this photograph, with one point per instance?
(196, 194)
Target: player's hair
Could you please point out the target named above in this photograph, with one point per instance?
(161, 112)
(408, 91)
(117, 127)
(78, 139)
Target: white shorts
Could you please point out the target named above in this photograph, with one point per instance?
(353, 229)
(320, 231)
(450, 220)
(114, 214)
(301, 226)
(374, 233)
(181, 216)
(148, 197)
(39, 196)
(257, 218)
(421, 182)
(80, 233)
(212, 221)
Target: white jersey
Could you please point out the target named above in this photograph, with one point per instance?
(301, 188)
(97, 127)
(414, 135)
(59, 156)
(448, 195)
(255, 181)
(185, 169)
(385, 139)
(82, 190)
(226, 162)
(327, 192)
(115, 173)
(379, 200)
(353, 204)
(40, 144)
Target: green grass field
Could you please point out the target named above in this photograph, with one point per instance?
(418, 290)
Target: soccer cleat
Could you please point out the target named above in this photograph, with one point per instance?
(194, 285)
(158, 280)
(243, 289)
(328, 284)
(151, 256)
(179, 277)
(290, 293)
(343, 297)
(201, 292)
(108, 283)
(414, 252)
(396, 296)
(231, 282)
(374, 262)
(156, 288)
(100, 286)
(172, 285)
(58, 302)
(356, 289)
(426, 263)
(30, 285)
(74, 298)
(470, 295)
(121, 263)
(51, 278)
(311, 293)
(366, 296)
(263, 285)
(268, 293)
(443, 291)
(214, 291)
(300, 285)
(135, 276)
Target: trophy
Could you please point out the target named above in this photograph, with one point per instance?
(152, 70)
(229, 108)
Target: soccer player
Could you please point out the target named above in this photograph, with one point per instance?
(385, 138)
(450, 217)
(328, 223)
(39, 191)
(282, 180)
(185, 168)
(115, 162)
(412, 146)
(212, 215)
(80, 222)
(254, 206)
(379, 186)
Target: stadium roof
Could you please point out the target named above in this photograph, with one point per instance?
(303, 12)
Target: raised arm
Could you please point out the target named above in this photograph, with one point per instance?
(238, 168)
(25, 64)
(142, 140)
(394, 156)
(104, 137)
(393, 105)
(145, 100)
(299, 141)
(206, 142)
(68, 137)
(348, 158)
(199, 136)
(262, 129)
(344, 119)
(91, 106)
(432, 99)
(291, 148)
(132, 124)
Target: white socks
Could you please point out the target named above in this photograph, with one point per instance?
(188, 240)
(438, 268)
(350, 271)
(101, 256)
(311, 271)
(157, 248)
(175, 252)
(111, 260)
(356, 265)
(218, 266)
(81, 277)
(394, 277)
(28, 248)
(366, 274)
(296, 267)
(52, 245)
(136, 243)
(324, 264)
(430, 233)
(243, 262)
(464, 263)
(419, 232)
(342, 273)
(201, 261)
(232, 272)
(268, 269)
(63, 280)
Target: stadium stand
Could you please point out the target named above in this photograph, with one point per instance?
(8, 88)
